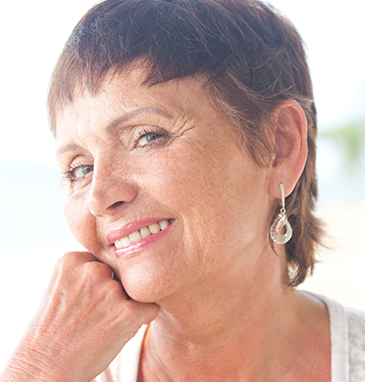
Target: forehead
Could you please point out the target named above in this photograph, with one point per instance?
(124, 101)
(126, 92)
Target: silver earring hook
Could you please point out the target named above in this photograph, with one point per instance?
(282, 196)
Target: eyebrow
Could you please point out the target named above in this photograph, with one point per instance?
(116, 122)
(66, 148)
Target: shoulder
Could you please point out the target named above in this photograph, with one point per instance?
(356, 337)
(348, 333)
(356, 324)
(347, 341)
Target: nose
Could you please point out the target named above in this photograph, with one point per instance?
(110, 189)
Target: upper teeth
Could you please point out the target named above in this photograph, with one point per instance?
(141, 234)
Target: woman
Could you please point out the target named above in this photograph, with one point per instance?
(186, 135)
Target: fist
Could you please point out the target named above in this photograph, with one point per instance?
(83, 322)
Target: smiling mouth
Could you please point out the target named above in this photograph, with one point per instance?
(142, 233)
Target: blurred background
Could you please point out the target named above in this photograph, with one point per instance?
(33, 231)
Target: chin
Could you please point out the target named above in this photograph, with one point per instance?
(140, 295)
(146, 287)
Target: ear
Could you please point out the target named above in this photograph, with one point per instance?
(290, 147)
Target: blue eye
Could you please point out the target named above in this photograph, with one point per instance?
(148, 138)
(78, 172)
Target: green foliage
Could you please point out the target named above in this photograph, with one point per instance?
(350, 139)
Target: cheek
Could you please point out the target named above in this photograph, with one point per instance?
(81, 222)
(178, 179)
(214, 190)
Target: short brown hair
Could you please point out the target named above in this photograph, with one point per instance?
(250, 56)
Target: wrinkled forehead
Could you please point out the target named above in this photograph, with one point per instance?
(129, 87)
(122, 94)
(80, 89)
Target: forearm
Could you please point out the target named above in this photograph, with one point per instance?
(84, 321)
(30, 365)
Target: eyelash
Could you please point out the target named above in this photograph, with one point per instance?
(69, 175)
(145, 133)
(160, 132)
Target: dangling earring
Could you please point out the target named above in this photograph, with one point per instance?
(280, 222)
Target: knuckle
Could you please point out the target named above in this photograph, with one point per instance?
(64, 262)
(71, 266)
(72, 259)
(69, 258)
(144, 312)
(97, 269)
(115, 289)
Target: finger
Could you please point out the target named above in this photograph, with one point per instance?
(77, 269)
(78, 257)
(87, 257)
(131, 315)
(79, 261)
(102, 269)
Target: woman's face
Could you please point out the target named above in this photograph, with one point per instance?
(135, 156)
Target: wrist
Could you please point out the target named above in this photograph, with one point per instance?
(29, 365)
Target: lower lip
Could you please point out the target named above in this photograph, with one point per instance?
(143, 243)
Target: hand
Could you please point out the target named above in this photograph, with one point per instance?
(84, 320)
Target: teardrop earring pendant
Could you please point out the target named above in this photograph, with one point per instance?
(280, 222)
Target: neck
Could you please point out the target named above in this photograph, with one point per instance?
(221, 332)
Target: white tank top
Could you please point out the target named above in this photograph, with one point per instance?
(347, 348)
